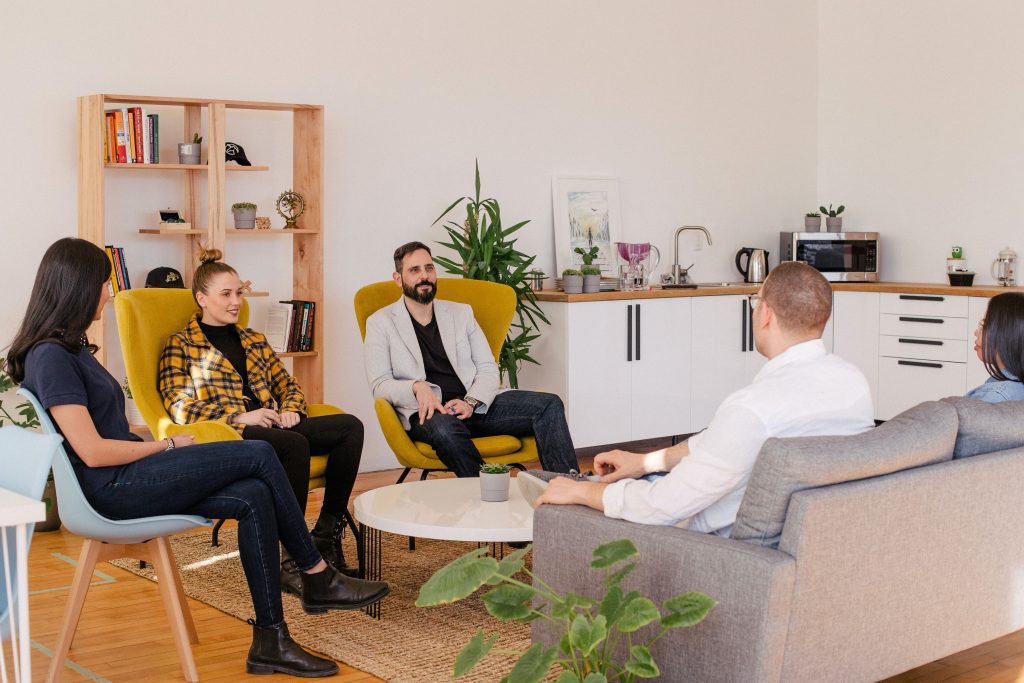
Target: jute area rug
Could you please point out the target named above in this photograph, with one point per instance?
(407, 643)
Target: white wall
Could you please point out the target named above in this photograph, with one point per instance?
(920, 128)
(706, 112)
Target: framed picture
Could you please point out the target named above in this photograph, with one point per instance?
(587, 214)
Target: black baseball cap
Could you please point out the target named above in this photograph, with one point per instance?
(165, 277)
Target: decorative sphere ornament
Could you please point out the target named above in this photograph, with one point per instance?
(290, 205)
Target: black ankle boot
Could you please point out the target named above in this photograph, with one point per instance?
(327, 539)
(274, 651)
(291, 579)
(327, 589)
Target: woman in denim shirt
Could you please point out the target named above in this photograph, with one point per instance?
(999, 343)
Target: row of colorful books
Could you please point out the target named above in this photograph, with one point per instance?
(133, 136)
(119, 278)
(290, 325)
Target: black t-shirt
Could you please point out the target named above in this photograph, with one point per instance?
(435, 361)
(226, 340)
(60, 377)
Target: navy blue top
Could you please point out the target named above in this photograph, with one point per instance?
(59, 377)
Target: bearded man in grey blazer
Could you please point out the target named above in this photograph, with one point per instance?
(431, 361)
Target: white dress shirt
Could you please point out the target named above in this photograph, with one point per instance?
(803, 391)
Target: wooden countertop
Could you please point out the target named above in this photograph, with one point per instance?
(741, 288)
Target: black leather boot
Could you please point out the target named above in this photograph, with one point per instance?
(274, 651)
(291, 579)
(327, 539)
(327, 589)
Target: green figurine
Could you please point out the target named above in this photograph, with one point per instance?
(958, 252)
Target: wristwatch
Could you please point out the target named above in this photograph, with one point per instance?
(170, 444)
(471, 402)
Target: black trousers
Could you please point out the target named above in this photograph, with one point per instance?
(340, 437)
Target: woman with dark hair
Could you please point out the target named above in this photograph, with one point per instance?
(999, 343)
(124, 477)
(216, 370)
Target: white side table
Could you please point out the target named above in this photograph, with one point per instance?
(17, 511)
(444, 509)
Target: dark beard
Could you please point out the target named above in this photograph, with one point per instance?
(414, 293)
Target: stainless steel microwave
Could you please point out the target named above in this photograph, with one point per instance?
(840, 256)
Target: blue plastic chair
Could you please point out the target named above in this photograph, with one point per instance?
(146, 538)
(25, 459)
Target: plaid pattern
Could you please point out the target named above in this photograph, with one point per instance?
(198, 383)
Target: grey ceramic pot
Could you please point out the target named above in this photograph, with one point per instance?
(494, 487)
(189, 153)
(834, 224)
(572, 284)
(244, 218)
(591, 284)
(812, 223)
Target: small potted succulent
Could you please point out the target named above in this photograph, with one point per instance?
(812, 222)
(131, 410)
(572, 281)
(591, 273)
(494, 481)
(189, 152)
(245, 215)
(833, 221)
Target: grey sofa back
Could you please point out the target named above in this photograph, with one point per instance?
(898, 571)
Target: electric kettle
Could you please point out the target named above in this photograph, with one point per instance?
(756, 268)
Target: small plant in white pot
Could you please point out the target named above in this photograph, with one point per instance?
(494, 482)
(572, 281)
(833, 221)
(131, 410)
(591, 273)
(812, 222)
(190, 152)
(245, 215)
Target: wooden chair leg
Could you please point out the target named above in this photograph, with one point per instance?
(215, 540)
(176, 611)
(185, 609)
(76, 599)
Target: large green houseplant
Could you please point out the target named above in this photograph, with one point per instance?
(596, 634)
(485, 251)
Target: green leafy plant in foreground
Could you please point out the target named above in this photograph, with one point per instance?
(485, 252)
(27, 416)
(592, 630)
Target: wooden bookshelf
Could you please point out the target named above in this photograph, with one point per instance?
(307, 179)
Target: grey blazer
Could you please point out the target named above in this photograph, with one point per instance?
(394, 363)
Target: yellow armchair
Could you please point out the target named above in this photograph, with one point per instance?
(494, 306)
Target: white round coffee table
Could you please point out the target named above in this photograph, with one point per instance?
(446, 509)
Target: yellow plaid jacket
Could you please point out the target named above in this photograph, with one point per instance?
(198, 383)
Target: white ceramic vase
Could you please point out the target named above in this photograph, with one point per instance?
(494, 487)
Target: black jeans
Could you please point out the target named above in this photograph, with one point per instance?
(517, 413)
(340, 437)
(240, 480)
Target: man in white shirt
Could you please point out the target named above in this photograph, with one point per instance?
(801, 391)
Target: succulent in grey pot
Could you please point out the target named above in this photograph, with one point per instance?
(245, 215)
(572, 281)
(591, 279)
(494, 483)
(833, 221)
(191, 152)
(812, 222)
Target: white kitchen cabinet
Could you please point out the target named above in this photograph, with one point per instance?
(976, 373)
(855, 333)
(724, 358)
(905, 382)
(622, 368)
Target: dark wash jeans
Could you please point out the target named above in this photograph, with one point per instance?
(240, 480)
(518, 413)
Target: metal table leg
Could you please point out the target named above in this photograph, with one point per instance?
(372, 552)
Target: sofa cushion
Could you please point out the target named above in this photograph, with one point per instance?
(987, 427)
(923, 435)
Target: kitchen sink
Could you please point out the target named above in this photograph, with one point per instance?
(705, 285)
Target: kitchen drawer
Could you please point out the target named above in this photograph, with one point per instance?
(927, 326)
(929, 349)
(924, 304)
(903, 383)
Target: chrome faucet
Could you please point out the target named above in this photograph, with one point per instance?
(680, 275)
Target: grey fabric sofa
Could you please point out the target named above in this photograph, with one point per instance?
(892, 549)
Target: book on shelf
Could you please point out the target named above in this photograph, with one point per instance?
(119, 272)
(279, 321)
(298, 335)
(132, 136)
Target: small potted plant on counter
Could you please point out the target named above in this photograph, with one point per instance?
(572, 281)
(812, 222)
(494, 481)
(591, 273)
(833, 221)
(189, 152)
(245, 215)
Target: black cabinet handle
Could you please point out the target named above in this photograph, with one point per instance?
(909, 319)
(926, 342)
(921, 297)
(629, 333)
(919, 364)
(638, 331)
(743, 338)
(750, 326)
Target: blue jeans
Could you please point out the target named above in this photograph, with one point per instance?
(240, 480)
(517, 413)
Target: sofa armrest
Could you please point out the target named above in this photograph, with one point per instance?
(744, 635)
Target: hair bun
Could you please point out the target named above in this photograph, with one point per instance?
(210, 255)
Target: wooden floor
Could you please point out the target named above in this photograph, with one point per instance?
(123, 634)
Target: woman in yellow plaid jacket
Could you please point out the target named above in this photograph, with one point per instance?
(216, 370)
